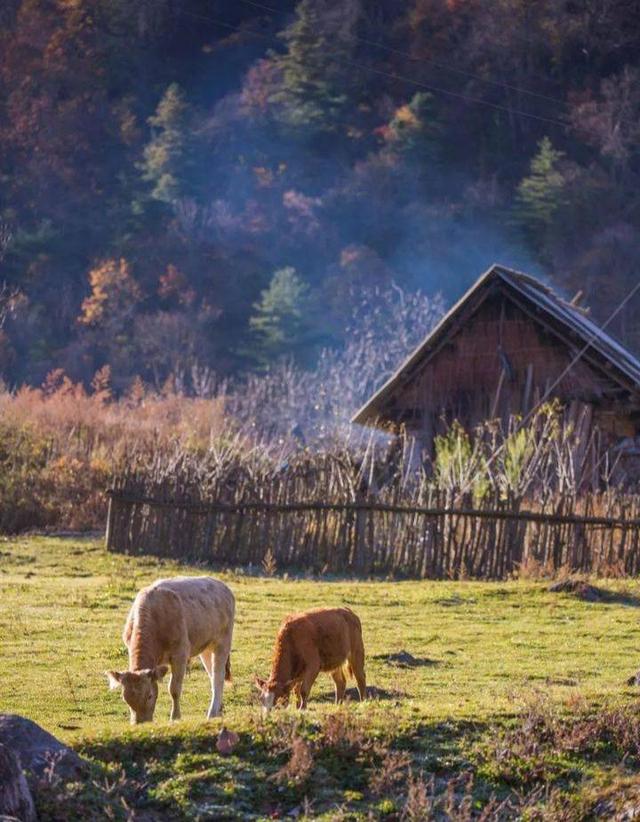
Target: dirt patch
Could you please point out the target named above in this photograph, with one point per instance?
(403, 659)
(592, 593)
(578, 587)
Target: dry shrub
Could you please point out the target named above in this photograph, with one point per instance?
(344, 732)
(269, 564)
(80, 423)
(610, 569)
(527, 755)
(60, 445)
(419, 803)
(300, 763)
(103, 797)
(453, 800)
(280, 729)
(532, 568)
(390, 773)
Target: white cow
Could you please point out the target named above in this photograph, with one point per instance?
(170, 622)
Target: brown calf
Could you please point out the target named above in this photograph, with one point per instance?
(323, 639)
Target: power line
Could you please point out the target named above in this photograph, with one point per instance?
(438, 64)
(419, 84)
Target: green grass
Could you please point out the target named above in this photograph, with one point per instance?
(489, 647)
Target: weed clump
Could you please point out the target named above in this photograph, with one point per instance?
(300, 764)
(548, 747)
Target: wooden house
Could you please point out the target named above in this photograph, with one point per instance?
(508, 343)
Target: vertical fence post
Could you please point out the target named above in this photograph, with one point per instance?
(360, 535)
(108, 536)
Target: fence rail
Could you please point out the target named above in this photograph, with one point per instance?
(365, 536)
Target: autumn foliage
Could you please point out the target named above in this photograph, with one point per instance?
(162, 169)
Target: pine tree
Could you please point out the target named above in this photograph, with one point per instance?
(315, 85)
(542, 194)
(169, 161)
(280, 324)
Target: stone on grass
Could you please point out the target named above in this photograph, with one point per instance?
(15, 797)
(41, 755)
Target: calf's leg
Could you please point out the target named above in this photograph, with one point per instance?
(309, 676)
(341, 684)
(178, 670)
(356, 663)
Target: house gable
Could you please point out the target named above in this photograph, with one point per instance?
(497, 352)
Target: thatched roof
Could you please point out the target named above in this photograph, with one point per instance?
(566, 322)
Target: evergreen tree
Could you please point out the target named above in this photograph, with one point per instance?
(542, 194)
(281, 324)
(169, 161)
(315, 86)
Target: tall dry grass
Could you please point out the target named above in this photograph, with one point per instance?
(60, 445)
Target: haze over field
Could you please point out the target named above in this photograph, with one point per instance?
(212, 184)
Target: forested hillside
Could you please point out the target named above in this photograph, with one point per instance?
(213, 182)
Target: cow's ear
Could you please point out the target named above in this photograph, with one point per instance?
(115, 679)
(159, 671)
(259, 682)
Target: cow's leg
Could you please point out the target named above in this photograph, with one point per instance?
(178, 670)
(206, 657)
(341, 684)
(309, 676)
(220, 657)
(356, 663)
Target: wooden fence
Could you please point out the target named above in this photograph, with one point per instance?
(359, 534)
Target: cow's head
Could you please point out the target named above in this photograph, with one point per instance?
(139, 690)
(273, 693)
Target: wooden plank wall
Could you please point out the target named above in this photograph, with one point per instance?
(466, 379)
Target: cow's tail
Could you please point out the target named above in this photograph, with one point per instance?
(227, 669)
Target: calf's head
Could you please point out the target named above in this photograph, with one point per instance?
(139, 690)
(273, 693)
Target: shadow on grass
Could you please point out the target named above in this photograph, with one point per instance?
(619, 598)
(403, 659)
(594, 593)
(352, 695)
(183, 766)
(342, 759)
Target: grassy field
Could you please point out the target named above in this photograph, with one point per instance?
(509, 676)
